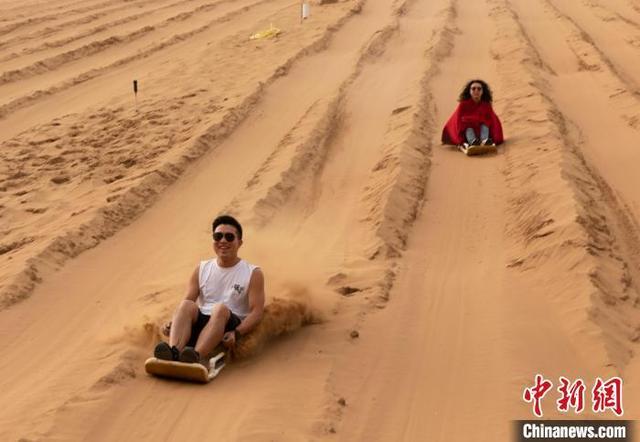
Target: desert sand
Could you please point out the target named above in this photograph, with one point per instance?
(413, 292)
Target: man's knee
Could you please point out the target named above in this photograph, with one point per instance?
(220, 312)
(188, 308)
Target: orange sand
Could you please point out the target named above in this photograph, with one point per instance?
(463, 277)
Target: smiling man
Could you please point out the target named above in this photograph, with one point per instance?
(225, 300)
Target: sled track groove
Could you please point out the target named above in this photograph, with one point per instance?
(392, 195)
(405, 184)
(399, 178)
(629, 83)
(537, 59)
(113, 217)
(48, 31)
(19, 12)
(55, 62)
(541, 226)
(405, 165)
(24, 101)
(311, 154)
(609, 8)
(589, 59)
(50, 17)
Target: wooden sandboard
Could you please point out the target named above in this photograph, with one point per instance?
(478, 150)
(193, 372)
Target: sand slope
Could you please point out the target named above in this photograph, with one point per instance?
(464, 277)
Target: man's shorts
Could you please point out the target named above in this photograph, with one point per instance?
(202, 320)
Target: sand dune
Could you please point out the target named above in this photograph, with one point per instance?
(414, 292)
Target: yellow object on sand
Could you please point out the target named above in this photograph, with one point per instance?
(267, 33)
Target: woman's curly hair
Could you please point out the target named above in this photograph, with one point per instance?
(466, 91)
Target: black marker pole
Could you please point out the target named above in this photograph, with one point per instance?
(135, 91)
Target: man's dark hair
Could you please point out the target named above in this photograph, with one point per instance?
(228, 220)
(486, 91)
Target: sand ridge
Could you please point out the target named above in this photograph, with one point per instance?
(428, 279)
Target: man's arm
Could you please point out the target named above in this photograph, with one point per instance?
(193, 288)
(256, 303)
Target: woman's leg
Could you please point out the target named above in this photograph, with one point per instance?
(484, 133)
(470, 135)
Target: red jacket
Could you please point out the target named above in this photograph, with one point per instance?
(472, 114)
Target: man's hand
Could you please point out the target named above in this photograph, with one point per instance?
(229, 339)
(166, 329)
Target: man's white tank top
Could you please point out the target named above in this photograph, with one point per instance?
(225, 285)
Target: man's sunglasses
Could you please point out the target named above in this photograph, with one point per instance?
(230, 237)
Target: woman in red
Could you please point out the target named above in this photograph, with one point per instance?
(473, 122)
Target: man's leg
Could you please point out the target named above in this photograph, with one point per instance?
(212, 333)
(185, 316)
